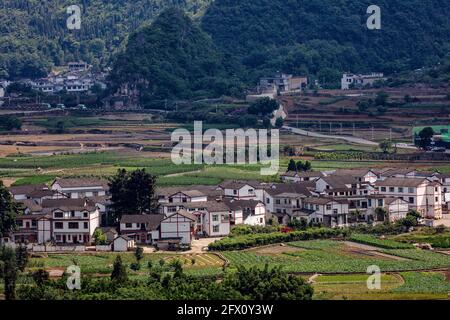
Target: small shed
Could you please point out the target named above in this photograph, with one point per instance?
(123, 244)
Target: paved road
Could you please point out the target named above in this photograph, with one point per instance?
(346, 138)
(319, 135)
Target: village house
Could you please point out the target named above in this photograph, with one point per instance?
(330, 212)
(249, 212)
(142, 228)
(295, 176)
(350, 80)
(212, 217)
(177, 228)
(76, 188)
(359, 175)
(300, 189)
(110, 233)
(396, 208)
(68, 221)
(32, 191)
(243, 190)
(123, 243)
(423, 195)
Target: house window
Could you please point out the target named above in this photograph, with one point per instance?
(128, 225)
(33, 223)
(216, 228)
(234, 191)
(335, 211)
(73, 225)
(261, 220)
(59, 225)
(215, 217)
(380, 202)
(72, 214)
(383, 189)
(268, 200)
(86, 225)
(411, 200)
(328, 206)
(277, 201)
(19, 223)
(400, 190)
(58, 237)
(436, 199)
(392, 189)
(317, 207)
(85, 214)
(410, 190)
(59, 215)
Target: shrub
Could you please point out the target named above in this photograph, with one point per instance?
(254, 240)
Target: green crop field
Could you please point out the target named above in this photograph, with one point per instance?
(327, 256)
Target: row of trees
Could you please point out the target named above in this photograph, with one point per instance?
(299, 166)
(168, 281)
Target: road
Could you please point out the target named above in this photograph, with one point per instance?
(324, 136)
(345, 138)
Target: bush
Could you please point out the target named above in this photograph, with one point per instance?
(261, 239)
(386, 244)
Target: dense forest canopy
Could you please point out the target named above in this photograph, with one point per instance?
(250, 39)
(325, 37)
(34, 35)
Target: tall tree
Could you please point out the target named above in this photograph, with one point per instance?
(425, 136)
(132, 193)
(8, 211)
(22, 257)
(119, 273)
(8, 258)
(292, 166)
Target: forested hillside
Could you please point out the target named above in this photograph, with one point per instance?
(252, 38)
(34, 36)
(326, 37)
(173, 58)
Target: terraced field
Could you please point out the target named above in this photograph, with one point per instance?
(102, 263)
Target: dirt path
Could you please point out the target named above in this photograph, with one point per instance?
(374, 250)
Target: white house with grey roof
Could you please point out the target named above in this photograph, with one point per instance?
(76, 188)
(423, 195)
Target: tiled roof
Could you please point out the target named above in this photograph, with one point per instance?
(152, 221)
(82, 182)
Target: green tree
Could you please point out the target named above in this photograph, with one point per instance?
(263, 106)
(10, 272)
(292, 166)
(268, 284)
(8, 211)
(40, 277)
(22, 257)
(132, 193)
(381, 99)
(425, 136)
(119, 273)
(139, 254)
(99, 237)
(385, 145)
(279, 122)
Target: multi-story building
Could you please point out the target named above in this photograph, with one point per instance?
(68, 221)
(423, 195)
(331, 212)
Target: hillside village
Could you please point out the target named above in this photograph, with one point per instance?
(70, 210)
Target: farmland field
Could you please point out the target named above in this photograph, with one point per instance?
(327, 256)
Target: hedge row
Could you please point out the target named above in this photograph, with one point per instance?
(261, 239)
(374, 241)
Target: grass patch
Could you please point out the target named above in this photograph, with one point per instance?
(374, 241)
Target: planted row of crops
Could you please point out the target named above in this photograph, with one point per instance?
(377, 242)
(261, 239)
